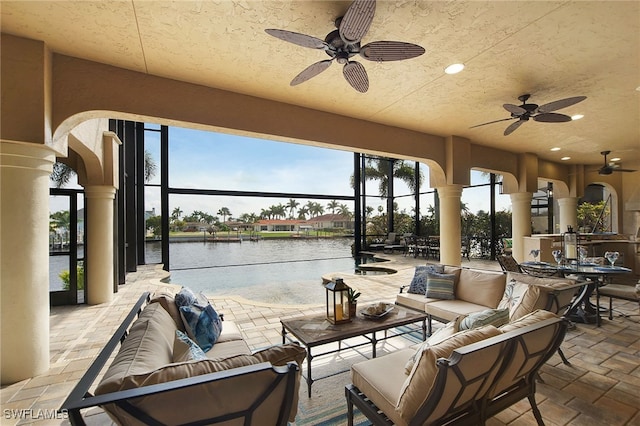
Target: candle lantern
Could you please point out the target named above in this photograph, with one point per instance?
(570, 243)
(337, 302)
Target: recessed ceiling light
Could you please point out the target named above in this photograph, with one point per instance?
(555, 148)
(638, 88)
(615, 159)
(577, 116)
(565, 158)
(454, 68)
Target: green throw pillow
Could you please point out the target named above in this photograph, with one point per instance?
(494, 317)
(440, 286)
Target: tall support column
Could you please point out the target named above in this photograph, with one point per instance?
(568, 213)
(24, 259)
(520, 222)
(450, 197)
(100, 249)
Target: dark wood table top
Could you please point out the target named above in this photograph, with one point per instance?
(317, 330)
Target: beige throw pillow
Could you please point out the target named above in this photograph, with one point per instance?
(443, 333)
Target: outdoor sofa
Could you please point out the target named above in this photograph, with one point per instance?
(156, 378)
(466, 291)
(462, 378)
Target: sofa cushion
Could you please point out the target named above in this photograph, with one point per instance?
(418, 284)
(148, 346)
(227, 349)
(282, 354)
(494, 317)
(413, 301)
(185, 349)
(440, 286)
(419, 383)
(383, 389)
(481, 287)
(448, 310)
(168, 302)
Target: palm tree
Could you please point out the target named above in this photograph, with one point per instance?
(177, 212)
(62, 173)
(292, 205)
(302, 213)
(377, 168)
(279, 211)
(224, 211)
(343, 210)
(332, 205)
(266, 213)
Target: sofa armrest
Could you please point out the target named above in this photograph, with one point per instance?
(265, 388)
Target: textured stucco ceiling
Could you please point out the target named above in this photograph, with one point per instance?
(552, 50)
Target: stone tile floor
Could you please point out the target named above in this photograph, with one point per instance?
(600, 387)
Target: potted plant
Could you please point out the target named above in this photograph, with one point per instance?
(352, 296)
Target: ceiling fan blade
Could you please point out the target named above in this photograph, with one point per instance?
(491, 122)
(297, 38)
(384, 51)
(624, 170)
(514, 109)
(562, 103)
(552, 117)
(512, 127)
(355, 23)
(311, 71)
(356, 75)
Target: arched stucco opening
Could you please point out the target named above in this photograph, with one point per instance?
(603, 192)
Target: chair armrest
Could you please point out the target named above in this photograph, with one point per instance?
(403, 287)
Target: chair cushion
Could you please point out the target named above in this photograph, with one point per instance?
(529, 319)
(448, 310)
(443, 333)
(418, 385)
(383, 389)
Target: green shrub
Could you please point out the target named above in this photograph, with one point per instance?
(65, 276)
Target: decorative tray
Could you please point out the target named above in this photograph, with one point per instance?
(377, 311)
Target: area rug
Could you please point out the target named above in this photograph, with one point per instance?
(327, 405)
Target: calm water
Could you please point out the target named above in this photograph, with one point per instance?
(272, 271)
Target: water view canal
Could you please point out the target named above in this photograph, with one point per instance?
(287, 271)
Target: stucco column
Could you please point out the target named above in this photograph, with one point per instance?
(24, 259)
(568, 213)
(520, 222)
(100, 251)
(450, 224)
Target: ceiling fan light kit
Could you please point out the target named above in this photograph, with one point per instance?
(344, 43)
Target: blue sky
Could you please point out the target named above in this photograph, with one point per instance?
(208, 160)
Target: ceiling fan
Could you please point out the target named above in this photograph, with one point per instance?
(344, 43)
(541, 113)
(609, 168)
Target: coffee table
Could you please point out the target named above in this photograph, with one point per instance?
(312, 331)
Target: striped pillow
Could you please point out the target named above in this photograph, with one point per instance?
(440, 286)
(494, 317)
